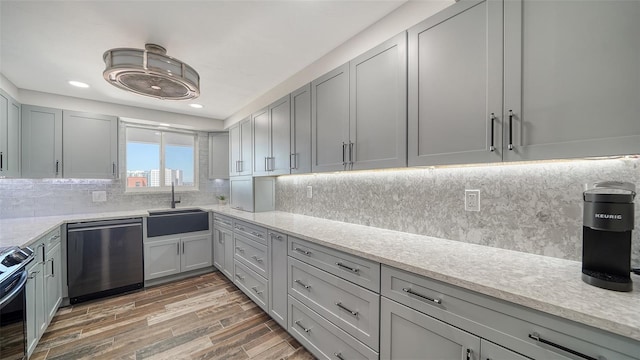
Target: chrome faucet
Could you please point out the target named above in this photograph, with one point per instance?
(173, 197)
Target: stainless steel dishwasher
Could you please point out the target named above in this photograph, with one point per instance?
(104, 258)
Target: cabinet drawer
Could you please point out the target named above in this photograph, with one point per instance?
(222, 221)
(52, 238)
(251, 231)
(355, 269)
(252, 284)
(252, 254)
(352, 308)
(322, 338)
(507, 324)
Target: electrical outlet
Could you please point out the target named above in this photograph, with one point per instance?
(99, 196)
(472, 200)
(309, 192)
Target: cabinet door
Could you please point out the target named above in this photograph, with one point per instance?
(196, 252)
(491, 351)
(330, 120)
(261, 141)
(219, 155)
(235, 148)
(301, 130)
(228, 268)
(9, 136)
(218, 249)
(161, 258)
(41, 142)
(408, 334)
(90, 146)
(246, 138)
(455, 85)
(571, 78)
(34, 303)
(277, 248)
(241, 189)
(280, 122)
(378, 120)
(52, 281)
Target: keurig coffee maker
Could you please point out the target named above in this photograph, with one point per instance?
(606, 235)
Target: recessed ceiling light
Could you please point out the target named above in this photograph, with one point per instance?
(164, 124)
(78, 84)
(197, 106)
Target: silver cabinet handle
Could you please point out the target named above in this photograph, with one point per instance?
(338, 355)
(354, 313)
(510, 130)
(344, 161)
(57, 166)
(535, 336)
(256, 234)
(297, 322)
(33, 275)
(468, 354)
(255, 289)
(239, 249)
(279, 237)
(492, 119)
(293, 161)
(52, 268)
(257, 258)
(239, 228)
(241, 278)
(353, 270)
(266, 165)
(409, 291)
(114, 169)
(351, 153)
(303, 284)
(303, 251)
(183, 248)
(1, 161)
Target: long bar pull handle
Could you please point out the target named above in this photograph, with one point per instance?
(258, 259)
(266, 164)
(492, 119)
(183, 248)
(241, 278)
(114, 169)
(293, 161)
(239, 249)
(303, 251)
(354, 270)
(344, 150)
(255, 289)
(468, 354)
(1, 161)
(303, 284)
(535, 336)
(510, 130)
(53, 268)
(297, 322)
(409, 291)
(354, 313)
(338, 355)
(351, 153)
(279, 237)
(57, 167)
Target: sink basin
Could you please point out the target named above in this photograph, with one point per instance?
(176, 221)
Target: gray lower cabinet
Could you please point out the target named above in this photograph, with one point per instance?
(52, 278)
(278, 285)
(89, 146)
(455, 86)
(408, 334)
(321, 337)
(9, 136)
(223, 249)
(171, 254)
(491, 351)
(35, 302)
(301, 130)
(253, 285)
(41, 142)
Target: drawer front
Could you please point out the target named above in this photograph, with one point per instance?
(363, 272)
(252, 284)
(503, 323)
(222, 221)
(352, 308)
(253, 232)
(322, 338)
(52, 238)
(252, 254)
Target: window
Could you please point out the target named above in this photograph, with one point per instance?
(156, 158)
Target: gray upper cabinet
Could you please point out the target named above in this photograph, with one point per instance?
(90, 145)
(219, 155)
(455, 86)
(301, 130)
(378, 107)
(571, 78)
(240, 148)
(9, 136)
(41, 142)
(330, 120)
(271, 136)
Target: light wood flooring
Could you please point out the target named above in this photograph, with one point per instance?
(204, 317)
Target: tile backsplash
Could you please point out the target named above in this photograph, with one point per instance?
(43, 197)
(529, 207)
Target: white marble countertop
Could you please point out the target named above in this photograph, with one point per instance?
(543, 283)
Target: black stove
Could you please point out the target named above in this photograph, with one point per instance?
(12, 260)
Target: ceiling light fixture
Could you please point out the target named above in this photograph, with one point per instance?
(151, 72)
(78, 84)
(196, 106)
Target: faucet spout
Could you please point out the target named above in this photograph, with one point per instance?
(173, 197)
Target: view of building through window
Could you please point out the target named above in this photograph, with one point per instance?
(156, 159)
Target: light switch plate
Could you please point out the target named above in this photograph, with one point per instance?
(99, 196)
(472, 200)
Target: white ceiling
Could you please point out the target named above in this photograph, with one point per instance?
(240, 48)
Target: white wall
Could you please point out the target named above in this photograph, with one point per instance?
(105, 108)
(397, 21)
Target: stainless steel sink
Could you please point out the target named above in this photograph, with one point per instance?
(176, 221)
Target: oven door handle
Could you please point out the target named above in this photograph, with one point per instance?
(12, 295)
